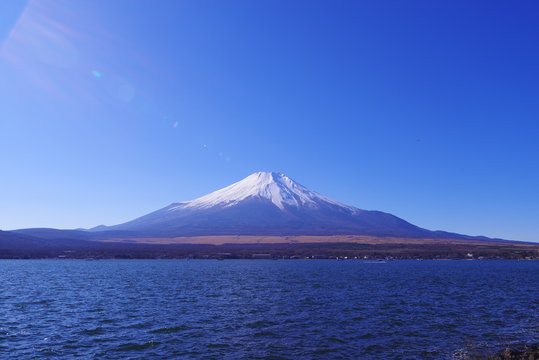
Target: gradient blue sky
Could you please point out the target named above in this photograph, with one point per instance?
(425, 109)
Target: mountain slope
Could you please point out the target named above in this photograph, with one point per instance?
(267, 203)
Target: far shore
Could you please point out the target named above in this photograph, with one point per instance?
(366, 249)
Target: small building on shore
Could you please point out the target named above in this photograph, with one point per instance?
(261, 256)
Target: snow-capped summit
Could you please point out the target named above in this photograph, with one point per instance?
(276, 187)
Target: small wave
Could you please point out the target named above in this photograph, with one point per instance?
(264, 334)
(335, 340)
(94, 331)
(167, 330)
(323, 351)
(137, 347)
(260, 324)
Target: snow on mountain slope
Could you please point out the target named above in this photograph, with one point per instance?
(276, 187)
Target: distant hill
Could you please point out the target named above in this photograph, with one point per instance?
(11, 240)
(33, 239)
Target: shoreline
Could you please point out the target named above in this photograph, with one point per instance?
(294, 251)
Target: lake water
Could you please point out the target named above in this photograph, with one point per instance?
(264, 309)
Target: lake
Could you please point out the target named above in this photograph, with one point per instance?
(265, 309)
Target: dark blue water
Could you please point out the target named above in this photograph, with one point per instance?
(264, 309)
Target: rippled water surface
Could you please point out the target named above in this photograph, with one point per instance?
(264, 309)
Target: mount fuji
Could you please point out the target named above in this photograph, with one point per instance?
(268, 204)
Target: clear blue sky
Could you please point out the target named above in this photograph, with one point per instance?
(425, 109)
